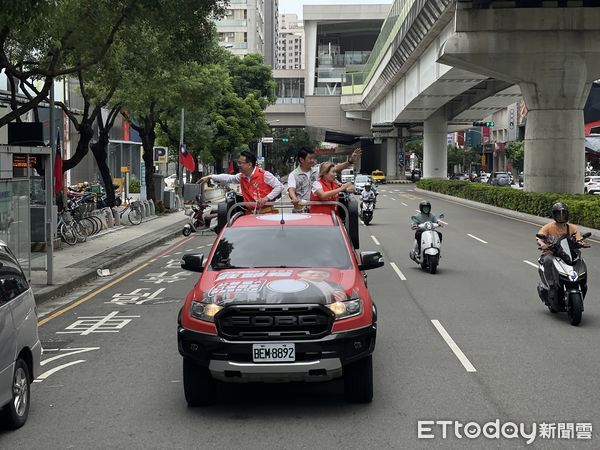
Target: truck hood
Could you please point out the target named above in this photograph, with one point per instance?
(272, 286)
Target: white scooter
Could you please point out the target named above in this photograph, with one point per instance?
(431, 246)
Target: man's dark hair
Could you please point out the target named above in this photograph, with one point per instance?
(250, 157)
(304, 152)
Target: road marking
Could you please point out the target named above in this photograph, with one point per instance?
(530, 263)
(476, 238)
(178, 253)
(362, 222)
(385, 195)
(198, 248)
(457, 351)
(375, 240)
(45, 375)
(398, 271)
(441, 221)
(404, 204)
(91, 295)
(68, 352)
(393, 199)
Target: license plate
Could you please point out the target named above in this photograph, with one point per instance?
(274, 352)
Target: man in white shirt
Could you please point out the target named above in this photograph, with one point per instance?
(257, 185)
(367, 195)
(301, 179)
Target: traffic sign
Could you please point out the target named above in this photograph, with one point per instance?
(267, 140)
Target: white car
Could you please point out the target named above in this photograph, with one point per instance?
(348, 175)
(170, 181)
(484, 177)
(591, 184)
(20, 347)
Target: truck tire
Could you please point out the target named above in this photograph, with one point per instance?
(199, 386)
(358, 381)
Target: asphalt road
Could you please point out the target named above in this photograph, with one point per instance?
(112, 374)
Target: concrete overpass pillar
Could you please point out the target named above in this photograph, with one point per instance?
(391, 165)
(552, 54)
(435, 146)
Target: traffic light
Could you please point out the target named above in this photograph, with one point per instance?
(285, 139)
(483, 124)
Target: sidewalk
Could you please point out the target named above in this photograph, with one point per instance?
(74, 266)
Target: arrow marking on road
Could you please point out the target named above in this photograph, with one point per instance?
(530, 263)
(375, 240)
(476, 238)
(398, 271)
(455, 349)
(45, 375)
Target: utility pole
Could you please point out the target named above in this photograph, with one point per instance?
(179, 189)
(50, 193)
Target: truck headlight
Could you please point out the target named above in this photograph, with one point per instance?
(204, 311)
(348, 308)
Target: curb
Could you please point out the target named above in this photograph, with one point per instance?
(51, 292)
(398, 182)
(538, 220)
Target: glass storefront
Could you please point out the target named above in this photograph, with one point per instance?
(15, 228)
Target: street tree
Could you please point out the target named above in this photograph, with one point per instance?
(515, 153)
(249, 75)
(41, 40)
(169, 50)
(287, 142)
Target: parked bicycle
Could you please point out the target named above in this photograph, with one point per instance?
(134, 211)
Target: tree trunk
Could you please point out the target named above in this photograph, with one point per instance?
(148, 137)
(85, 136)
(99, 151)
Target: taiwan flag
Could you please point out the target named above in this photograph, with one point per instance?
(186, 159)
(58, 167)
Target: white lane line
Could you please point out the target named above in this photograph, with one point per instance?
(530, 263)
(45, 375)
(69, 352)
(398, 271)
(457, 351)
(198, 248)
(375, 240)
(393, 198)
(362, 223)
(476, 238)
(441, 221)
(384, 195)
(178, 253)
(404, 204)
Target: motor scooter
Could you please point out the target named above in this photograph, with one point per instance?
(570, 273)
(200, 217)
(366, 212)
(431, 246)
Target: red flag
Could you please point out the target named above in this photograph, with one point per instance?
(186, 159)
(230, 169)
(58, 167)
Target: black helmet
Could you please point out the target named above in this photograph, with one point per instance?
(425, 207)
(560, 212)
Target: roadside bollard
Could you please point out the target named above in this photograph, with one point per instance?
(146, 208)
(108, 216)
(116, 217)
(102, 218)
(152, 207)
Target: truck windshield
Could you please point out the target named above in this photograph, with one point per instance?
(251, 247)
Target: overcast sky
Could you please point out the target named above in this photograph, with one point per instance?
(295, 6)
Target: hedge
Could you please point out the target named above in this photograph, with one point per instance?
(583, 209)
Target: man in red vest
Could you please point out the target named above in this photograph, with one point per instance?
(257, 185)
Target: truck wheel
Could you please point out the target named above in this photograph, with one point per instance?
(358, 381)
(199, 386)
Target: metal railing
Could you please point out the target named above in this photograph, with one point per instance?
(389, 30)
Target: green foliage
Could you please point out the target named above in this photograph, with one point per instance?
(134, 185)
(515, 152)
(416, 147)
(249, 75)
(282, 153)
(584, 209)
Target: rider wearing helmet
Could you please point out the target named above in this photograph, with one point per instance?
(367, 195)
(553, 232)
(423, 216)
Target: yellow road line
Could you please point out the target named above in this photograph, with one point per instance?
(91, 295)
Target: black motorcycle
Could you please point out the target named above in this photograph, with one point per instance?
(571, 272)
